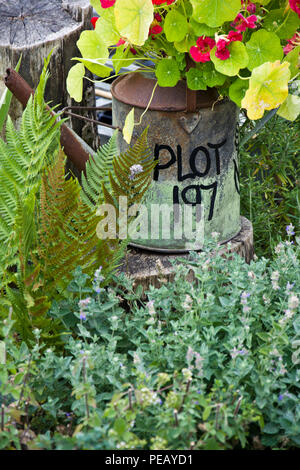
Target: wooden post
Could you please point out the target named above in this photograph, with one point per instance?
(34, 27)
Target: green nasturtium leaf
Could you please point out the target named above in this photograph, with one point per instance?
(215, 12)
(211, 76)
(238, 59)
(237, 91)
(175, 26)
(263, 47)
(293, 58)
(75, 81)
(128, 126)
(91, 47)
(167, 73)
(133, 19)
(195, 80)
(201, 29)
(290, 108)
(189, 41)
(282, 22)
(268, 88)
(106, 30)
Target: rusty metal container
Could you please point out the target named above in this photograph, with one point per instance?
(197, 155)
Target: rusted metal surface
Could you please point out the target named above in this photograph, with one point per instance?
(136, 90)
(75, 149)
(196, 151)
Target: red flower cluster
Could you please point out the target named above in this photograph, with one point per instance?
(249, 6)
(295, 6)
(241, 24)
(201, 51)
(107, 3)
(160, 2)
(94, 20)
(110, 3)
(292, 43)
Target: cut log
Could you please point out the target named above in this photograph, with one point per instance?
(147, 268)
(33, 28)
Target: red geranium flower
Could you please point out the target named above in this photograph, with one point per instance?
(222, 52)
(234, 36)
(107, 3)
(94, 20)
(295, 6)
(160, 2)
(292, 43)
(201, 52)
(251, 7)
(155, 29)
(241, 24)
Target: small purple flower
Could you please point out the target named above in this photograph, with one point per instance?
(243, 352)
(280, 397)
(82, 316)
(290, 230)
(290, 286)
(135, 170)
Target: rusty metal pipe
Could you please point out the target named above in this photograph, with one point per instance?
(74, 147)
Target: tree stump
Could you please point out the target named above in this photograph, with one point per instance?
(148, 268)
(33, 28)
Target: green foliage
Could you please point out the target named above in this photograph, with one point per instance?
(270, 192)
(48, 222)
(214, 361)
(167, 36)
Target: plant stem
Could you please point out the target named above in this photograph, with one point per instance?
(259, 126)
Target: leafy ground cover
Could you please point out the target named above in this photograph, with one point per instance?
(207, 365)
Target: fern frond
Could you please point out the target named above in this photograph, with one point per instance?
(97, 169)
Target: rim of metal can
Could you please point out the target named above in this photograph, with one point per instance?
(177, 251)
(135, 89)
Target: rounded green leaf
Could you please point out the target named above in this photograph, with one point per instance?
(215, 12)
(133, 19)
(263, 47)
(211, 76)
(201, 29)
(237, 91)
(283, 23)
(293, 58)
(106, 30)
(175, 26)
(290, 108)
(238, 59)
(195, 80)
(91, 46)
(75, 81)
(188, 41)
(268, 88)
(167, 73)
(94, 67)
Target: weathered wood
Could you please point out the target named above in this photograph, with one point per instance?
(33, 28)
(148, 268)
